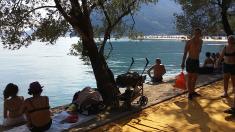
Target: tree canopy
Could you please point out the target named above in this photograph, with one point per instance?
(210, 15)
(23, 21)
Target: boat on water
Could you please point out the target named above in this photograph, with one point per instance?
(182, 38)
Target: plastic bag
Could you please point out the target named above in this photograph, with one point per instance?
(180, 81)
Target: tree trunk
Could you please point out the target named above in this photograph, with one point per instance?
(226, 25)
(224, 8)
(104, 77)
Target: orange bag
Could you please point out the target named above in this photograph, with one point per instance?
(180, 81)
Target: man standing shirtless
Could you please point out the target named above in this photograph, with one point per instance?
(192, 51)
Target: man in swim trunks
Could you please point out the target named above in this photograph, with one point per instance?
(192, 51)
(159, 70)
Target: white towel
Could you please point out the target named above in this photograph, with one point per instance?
(57, 126)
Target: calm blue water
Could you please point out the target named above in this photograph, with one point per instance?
(62, 75)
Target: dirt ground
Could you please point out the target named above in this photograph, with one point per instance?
(203, 114)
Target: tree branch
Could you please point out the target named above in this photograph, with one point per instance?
(219, 3)
(91, 8)
(62, 11)
(132, 17)
(27, 13)
(110, 50)
(76, 6)
(105, 13)
(85, 7)
(109, 29)
(16, 4)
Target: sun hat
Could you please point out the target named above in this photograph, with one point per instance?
(35, 88)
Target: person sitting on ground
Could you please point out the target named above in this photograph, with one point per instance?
(218, 63)
(213, 57)
(208, 63)
(208, 66)
(37, 109)
(12, 109)
(158, 69)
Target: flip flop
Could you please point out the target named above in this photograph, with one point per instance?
(230, 111)
(224, 96)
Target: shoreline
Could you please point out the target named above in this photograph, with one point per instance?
(157, 93)
(204, 40)
(220, 39)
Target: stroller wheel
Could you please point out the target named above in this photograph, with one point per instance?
(143, 100)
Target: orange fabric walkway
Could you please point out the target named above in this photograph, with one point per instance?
(203, 114)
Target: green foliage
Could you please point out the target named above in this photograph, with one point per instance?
(200, 13)
(77, 50)
(23, 21)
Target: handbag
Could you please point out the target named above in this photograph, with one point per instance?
(180, 81)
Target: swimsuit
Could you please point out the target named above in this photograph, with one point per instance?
(192, 65)
(157, 79)
(229, 68)
(209, 65)
(41, 128)
(229, 54)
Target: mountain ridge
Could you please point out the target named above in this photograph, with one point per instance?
(157, 18)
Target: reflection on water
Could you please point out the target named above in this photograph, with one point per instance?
(62, 75)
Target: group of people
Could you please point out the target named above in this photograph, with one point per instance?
(191, 59)
(34, 110)
(211, 64)
(214, 62)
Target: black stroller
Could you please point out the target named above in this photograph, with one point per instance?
(133, 82)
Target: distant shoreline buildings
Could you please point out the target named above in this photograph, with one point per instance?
(181, 38)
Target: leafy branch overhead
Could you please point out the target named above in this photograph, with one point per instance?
(210, 15)
(24, 21)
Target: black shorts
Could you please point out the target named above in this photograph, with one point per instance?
(154, 79)
(192, 65)
(42, 128)
(229, 68)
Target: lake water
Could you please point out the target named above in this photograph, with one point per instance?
(62, 75)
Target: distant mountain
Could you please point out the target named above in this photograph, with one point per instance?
(157, 19)
(151, 19)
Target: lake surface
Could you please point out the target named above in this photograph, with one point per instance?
(62, 75)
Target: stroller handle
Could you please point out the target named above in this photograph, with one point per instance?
(132, 62)
(147, 62)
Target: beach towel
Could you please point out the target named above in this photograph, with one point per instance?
(180, 81)
(57, 124)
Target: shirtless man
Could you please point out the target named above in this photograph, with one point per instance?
(192, 51)
(159, 71)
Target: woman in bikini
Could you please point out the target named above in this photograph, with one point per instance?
(37, 109)
(12, 109)
(228, 54)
